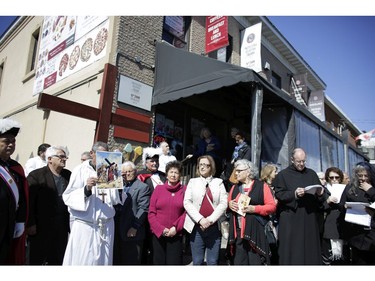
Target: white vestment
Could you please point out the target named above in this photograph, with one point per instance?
(92, 234)
(164, 160)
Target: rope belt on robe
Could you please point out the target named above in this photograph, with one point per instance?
(100, 223)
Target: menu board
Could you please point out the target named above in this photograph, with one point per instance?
(68, 44)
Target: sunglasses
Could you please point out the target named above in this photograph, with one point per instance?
(334, 177)
(62, 157)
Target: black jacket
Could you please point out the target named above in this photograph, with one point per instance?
(50, 215)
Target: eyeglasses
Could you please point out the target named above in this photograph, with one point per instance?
(239, 171)
(334, 177)
(204, 165)
(362, 175)
(62, 157)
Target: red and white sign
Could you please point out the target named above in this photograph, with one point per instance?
(216, 33)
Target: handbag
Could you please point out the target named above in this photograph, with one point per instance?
(223, 223)
(270, 234)
(269, 229)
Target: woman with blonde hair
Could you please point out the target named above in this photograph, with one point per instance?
(268, 173)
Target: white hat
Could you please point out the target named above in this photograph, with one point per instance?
(9, 126)
(150, 152)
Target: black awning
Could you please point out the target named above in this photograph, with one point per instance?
(180, 74)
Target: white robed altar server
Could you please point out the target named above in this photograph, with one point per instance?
(92, 234)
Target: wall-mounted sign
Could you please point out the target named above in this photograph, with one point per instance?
(316, 104)
(216, 33)
(68, 44)
(134, 93)
(251, 48)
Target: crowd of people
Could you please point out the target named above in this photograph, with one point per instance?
(296, 216)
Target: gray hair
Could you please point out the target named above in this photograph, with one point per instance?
(128, 163)
(249, 165)
(98, 144)
(52, 150)
(87, 154)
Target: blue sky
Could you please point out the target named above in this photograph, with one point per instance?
(339, 49)
(5, 21)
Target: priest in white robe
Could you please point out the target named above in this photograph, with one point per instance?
(92, 234)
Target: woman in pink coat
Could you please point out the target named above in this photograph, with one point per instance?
(166, 217)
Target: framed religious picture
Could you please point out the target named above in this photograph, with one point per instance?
(108, 167)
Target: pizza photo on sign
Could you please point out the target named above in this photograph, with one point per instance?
(86, 50)
(74, 56)
(63, 64)
(100, 41)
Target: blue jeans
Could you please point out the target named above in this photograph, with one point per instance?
(202, 241)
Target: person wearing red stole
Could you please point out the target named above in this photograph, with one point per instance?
(13, 198)
(247, 238)
(205, 203)
(151, 176)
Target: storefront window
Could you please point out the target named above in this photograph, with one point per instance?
(307, 137)
(175, 30)
(329, 150)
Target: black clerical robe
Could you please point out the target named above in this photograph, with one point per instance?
(299, 238)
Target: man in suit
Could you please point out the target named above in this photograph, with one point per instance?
(48, 225)
(131, 218)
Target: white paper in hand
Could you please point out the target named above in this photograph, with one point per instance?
(356, 213)
(336, 190)
(312, 188)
